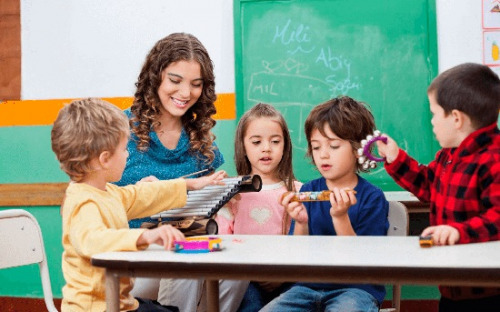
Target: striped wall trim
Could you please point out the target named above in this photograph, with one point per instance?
(44, 112)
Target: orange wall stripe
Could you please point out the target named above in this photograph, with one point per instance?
(44, 112)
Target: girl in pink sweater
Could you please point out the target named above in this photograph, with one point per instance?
(262, 146)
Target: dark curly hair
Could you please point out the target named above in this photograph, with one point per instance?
(197, 121)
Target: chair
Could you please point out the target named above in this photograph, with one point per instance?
(21, 243)
(398, 226)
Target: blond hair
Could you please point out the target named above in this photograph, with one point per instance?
(83, 130)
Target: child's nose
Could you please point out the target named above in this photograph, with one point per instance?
(323, 153)
(266, 146)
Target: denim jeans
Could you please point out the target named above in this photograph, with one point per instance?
(256, 298)
(304, 299)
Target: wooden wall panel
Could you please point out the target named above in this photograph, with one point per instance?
(10, 50)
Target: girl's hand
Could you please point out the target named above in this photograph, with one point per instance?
(442, 234)
(199, 183)
(164, 235)
(388, 150)
(296, 210)
(341, 201)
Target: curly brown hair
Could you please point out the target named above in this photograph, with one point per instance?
(83, 130)
(349, 119)
(197, 121)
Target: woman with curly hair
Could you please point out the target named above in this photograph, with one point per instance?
(171, 117)
(171, 122)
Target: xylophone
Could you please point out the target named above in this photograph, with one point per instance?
(196, 217)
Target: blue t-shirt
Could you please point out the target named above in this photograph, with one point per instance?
(163, 163)
(368, 217)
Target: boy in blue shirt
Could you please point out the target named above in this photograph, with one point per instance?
(334, 131)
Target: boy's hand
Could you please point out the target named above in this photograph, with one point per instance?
(341, 201)
(164, 235)
(213, 179)
(295, 209)
(388, 150)
(442, 234)
(150, 178)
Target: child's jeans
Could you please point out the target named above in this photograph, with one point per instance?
(300, 298)
(256, 298)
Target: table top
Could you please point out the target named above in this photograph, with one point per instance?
(364, 259)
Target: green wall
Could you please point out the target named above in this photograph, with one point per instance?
(26, 157)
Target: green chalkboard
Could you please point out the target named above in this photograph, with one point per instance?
(296, 54)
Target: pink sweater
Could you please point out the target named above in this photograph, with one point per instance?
(256, 212)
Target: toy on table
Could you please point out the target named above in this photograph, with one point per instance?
(312, 196)
(426, 241)
(196, 217)
(366, 158)
(198, 245)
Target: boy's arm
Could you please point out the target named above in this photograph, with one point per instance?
(404, 169)
(411, 175)
(89, 235)
(486, 226)
(147, 198)
(341, 201)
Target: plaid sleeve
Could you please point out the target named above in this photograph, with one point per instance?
(486, 226)
(411, 175)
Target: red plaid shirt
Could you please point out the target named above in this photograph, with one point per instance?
(463, 187)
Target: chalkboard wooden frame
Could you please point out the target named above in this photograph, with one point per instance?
(409, 124)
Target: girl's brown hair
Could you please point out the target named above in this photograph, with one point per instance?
(197, 121)
(243, 166)
(349, 119)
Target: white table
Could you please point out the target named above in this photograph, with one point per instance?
(382, 260)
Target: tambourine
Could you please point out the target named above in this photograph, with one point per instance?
(366, 158)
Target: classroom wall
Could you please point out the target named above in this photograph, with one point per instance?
(73, 49)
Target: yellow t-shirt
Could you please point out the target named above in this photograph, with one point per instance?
(96, 221)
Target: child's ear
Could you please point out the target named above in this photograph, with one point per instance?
(104, 159)
(461, 120)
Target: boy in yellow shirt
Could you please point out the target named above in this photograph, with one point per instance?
(89, 138)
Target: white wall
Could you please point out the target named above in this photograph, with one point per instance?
(74, 48)
(459, 32)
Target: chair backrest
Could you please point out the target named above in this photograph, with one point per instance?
(21, 243)
(398, 219)
(398, 226)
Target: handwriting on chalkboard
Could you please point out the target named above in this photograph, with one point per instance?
(273, 83)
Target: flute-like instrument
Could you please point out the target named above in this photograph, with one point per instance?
(312, 196)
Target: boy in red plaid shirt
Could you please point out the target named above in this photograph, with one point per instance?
(463, 183)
